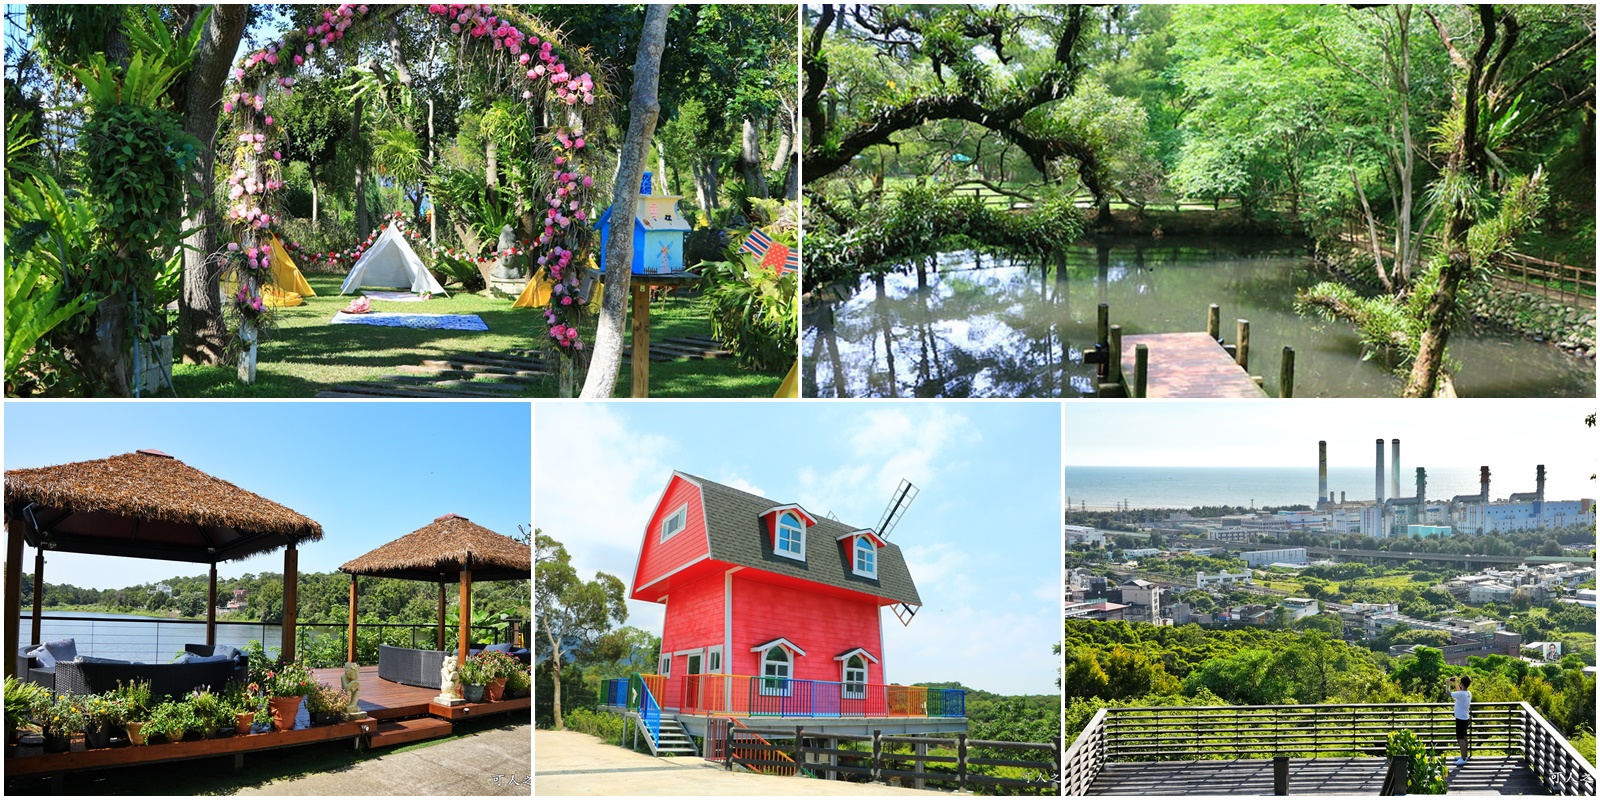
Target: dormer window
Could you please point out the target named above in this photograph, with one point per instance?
(791, 538)
(674, 523)
(861, 552)
(866, 557)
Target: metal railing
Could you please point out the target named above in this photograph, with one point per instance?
(1188, 733)
(136, 638)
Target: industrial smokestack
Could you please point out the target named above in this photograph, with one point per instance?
(1378, 478)
(1322, 472)
(1422, 488)
(1341, 498)
(1394, 467)
(1538, 485)
(1483, 483)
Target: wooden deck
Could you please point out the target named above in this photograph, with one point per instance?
(1187, 365)
(1343, 776)
(386, 704)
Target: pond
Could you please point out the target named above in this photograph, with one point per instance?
(982, 326)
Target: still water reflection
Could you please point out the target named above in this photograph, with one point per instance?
(978, 326)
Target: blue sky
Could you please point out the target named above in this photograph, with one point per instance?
(369, 472)
(982, 540)
(1510, 436)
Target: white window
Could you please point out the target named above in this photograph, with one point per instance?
(664, 666)
(855, 677)
(775, 672)
(866, 560)
(791, 537)
(714, 660)
(674, 523)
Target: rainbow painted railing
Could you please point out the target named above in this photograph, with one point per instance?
(749, 696)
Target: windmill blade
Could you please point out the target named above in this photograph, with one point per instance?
(904, 612)
(898, 503)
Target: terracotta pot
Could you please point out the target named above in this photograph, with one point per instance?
(135, 732)
(495, 689)
(284, 710)
(243, 721)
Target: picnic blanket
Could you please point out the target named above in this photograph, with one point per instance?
(443, 322)
(393, 297)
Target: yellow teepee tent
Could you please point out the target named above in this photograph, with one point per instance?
(285, 275)
(537, 293)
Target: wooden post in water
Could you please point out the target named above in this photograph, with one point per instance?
(1141, 368)
(1102, 325)
(1114, 356)
(1286, 373)
(1243, 356)
(1214, 321)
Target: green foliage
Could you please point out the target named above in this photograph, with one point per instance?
(21, 698)
(570, 610)
(60, 716)
(289, 680)
(754, 311)
(603, 724)
(1428, 771)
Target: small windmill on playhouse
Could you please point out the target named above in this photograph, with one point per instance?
(773, 612)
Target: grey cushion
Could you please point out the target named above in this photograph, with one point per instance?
(185, 658)
(63, 649)
(98, 660)
(42, 654)
(210, 659)
(225, 650)
(503, 647)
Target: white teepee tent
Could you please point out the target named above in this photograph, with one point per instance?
(390, 263)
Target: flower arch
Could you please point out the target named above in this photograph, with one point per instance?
(521, 55)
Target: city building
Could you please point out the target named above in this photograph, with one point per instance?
(1287, 555)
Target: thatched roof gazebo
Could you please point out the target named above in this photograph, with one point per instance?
(451, 549)
(144, 505)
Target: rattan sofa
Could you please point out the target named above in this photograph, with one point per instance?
(95, 675)
(409, 666)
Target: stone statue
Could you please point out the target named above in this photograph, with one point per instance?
(449, 690)
(503, 269)
(351, 683)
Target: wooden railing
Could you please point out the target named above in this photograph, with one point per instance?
(1566, 283)
(1188, 733)
(765, 748)
(721, 736)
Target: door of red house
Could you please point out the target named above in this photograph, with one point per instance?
(691, 682)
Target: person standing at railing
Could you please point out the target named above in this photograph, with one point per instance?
(1460, 691)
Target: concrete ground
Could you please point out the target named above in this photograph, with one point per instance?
(491, 762)
(577, 764)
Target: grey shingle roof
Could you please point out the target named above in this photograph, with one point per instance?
(734, 529)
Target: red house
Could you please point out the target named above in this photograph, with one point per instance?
(784, 606)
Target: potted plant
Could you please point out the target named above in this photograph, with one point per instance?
(287, 686)
(497, 668)
(520, 683)
(210, 714)
(136, 708)
(102, 713)
(327, 705)
(472, 680)
(169, 721)
(62, 718)
(21, 697)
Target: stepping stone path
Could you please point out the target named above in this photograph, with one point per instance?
(501, 375)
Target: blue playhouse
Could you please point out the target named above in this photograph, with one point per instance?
(658, 231)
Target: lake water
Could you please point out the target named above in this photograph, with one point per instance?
(138, 638)
(1187, 487)
(983, 327)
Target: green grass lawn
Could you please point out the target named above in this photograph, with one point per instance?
(306, 355)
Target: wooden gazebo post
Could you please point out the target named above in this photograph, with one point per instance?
(441, 611)
(291, 586)
(351, 649)
(466, 618)
(211, 608)
(38, 595)
(13, 610)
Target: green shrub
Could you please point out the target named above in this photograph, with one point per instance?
(603, 724)
(1427, 770)
(753, 312)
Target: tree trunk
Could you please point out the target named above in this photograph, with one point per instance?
(755, 181)
(316, 200)
(555, 679)
(201, 336)
(704, 192)
(363, 218)
(643, 110)
(433, 213)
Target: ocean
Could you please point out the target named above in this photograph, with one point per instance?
(1186, 487)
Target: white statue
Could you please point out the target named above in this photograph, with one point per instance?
(449, 690)
(351, 683)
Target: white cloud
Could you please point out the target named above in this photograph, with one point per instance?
(743, 485)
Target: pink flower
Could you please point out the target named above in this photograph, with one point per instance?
(311, 48)
(277, 155)
(299, 59)
(269, 120)
(233, 246)
(227, 107)
(588, 181)
(455, 27)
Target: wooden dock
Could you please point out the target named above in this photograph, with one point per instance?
(1494, 775)
(1188, 365)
